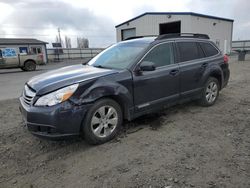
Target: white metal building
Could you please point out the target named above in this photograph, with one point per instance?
(220, 30)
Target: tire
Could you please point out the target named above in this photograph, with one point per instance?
(29, 66)
(210, 93)
(102, 122)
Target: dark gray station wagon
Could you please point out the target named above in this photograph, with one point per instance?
(127, 80)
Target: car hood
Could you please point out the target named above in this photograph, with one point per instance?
(55, 79)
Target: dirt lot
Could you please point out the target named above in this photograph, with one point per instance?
(184, 146)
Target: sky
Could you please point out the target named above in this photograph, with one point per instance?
(96, 19)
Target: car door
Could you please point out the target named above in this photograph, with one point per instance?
(158, 87)
(192, 65)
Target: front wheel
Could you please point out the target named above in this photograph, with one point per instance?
(102, 121)
(29, 66)
(210, 92)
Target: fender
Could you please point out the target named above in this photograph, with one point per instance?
(29, 60)
(215, 71)
(101, 88)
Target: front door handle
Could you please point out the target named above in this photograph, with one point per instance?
(174, 72)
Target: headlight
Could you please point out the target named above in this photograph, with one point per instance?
(57, 97)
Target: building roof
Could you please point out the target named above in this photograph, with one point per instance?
(176, 13)
(5, 41)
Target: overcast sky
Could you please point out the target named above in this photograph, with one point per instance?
(96, 19)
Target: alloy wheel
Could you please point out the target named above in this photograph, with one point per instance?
(104, 121)
(211, 92)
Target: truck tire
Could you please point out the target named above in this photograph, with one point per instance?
(210, 93)
(102, 122)
(29, 66)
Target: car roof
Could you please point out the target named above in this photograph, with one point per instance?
(145, 40)
(152, 40)
(169, 37)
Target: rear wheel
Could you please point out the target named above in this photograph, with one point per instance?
(29, 66)
(210, 92)
(102, 122)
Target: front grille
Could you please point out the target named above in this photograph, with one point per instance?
(28, 95)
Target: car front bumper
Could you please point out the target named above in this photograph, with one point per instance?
(56, 122)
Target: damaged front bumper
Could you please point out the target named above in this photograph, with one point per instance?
(56, 122)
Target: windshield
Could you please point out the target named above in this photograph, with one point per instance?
(118, 56)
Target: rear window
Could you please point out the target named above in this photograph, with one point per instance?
(209, 49)
(189, 51)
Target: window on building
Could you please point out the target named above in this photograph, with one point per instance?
(209, 49)
(161, 55)
(189, 51)
(1, 53)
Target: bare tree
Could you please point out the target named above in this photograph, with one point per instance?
(82, 42)
(68, 42)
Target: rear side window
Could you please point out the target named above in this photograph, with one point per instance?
(189, 51)
(161, 55)
(209, 49)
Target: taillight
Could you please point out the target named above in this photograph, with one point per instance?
(226, 59)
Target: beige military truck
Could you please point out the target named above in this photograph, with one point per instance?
(11, 58)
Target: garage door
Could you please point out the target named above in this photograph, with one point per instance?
(127, 33)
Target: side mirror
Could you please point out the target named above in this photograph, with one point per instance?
(147, 66)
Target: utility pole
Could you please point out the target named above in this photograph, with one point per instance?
(59, 35)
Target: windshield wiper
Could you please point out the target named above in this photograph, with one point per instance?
(100, 66)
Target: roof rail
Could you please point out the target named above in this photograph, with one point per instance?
(137, 37)
(182, 35)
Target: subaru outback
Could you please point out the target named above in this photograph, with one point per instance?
(127, 80)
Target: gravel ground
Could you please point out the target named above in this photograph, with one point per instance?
(184, 146)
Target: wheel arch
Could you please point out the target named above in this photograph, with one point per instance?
(29, 60)
(112, 90)
(218, 76)
(122, 103)
(216, 73)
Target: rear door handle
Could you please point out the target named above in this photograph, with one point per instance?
(204, 65)
(174, 72)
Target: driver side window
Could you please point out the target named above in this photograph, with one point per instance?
(160, 55)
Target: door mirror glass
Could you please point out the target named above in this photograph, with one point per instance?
(147, 66)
